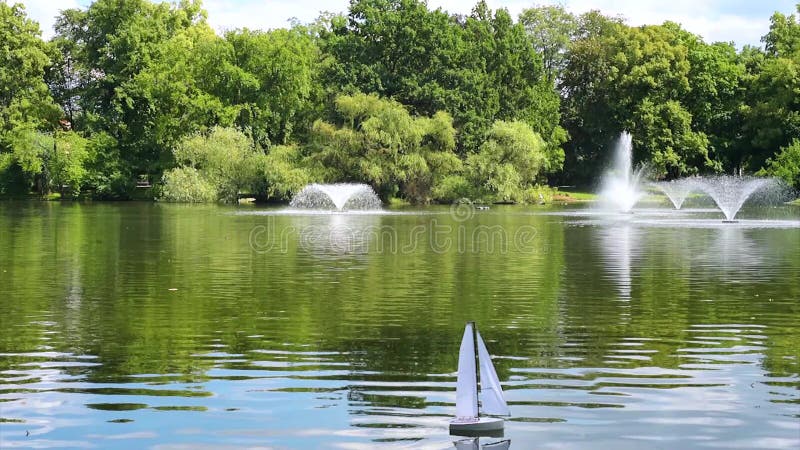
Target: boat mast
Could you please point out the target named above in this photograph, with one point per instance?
(477, 367)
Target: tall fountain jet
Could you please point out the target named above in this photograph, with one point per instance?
(621, 185)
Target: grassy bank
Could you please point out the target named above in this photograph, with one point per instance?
(573, 196)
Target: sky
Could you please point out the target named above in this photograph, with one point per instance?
(739, 21)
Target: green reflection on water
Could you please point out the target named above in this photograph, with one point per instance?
(102, 296)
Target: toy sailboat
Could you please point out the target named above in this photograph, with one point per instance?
(469, 409)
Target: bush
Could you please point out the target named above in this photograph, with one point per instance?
(187, 185)
(283, 172)
(452, 188)
(508, 163)
(225, 159)
(377, 141)
(56, 161)
(785, 165)
(106, 175)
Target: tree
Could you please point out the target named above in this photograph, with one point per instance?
(508, 164)
(771, 113)
(67, 76)
(184, 87)
(25, 101)
(224, 160)
(785, 164)
(478, 68)
(56, 162)
(783, 38)
(275, 89)
(378, 142)
(550, 29)
(114, 41)
(636, 79)
(284, 172)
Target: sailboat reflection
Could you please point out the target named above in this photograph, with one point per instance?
(475, 444)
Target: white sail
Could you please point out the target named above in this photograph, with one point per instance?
(467, 384)
(492, 401)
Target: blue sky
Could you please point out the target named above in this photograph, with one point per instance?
(740, 21)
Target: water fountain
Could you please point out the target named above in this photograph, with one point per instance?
(677, 190)
(730, 192)
(338, 196)
(621, 185)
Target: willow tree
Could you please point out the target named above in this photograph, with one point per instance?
(509, 164)
(377, 141)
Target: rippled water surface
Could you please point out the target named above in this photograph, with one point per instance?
(164, 326)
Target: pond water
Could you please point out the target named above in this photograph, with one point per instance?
(139, 325)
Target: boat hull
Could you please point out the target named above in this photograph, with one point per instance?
(477, 424)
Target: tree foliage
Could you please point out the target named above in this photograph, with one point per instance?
(420, 103)
(509, 163)
(275, 84)
(478, 68)
(661, 83)
(24, 97)
(225, 159)
(54, 162)
(550, 29)
(785, 165)
(378, 142)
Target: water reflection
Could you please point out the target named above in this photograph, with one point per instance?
(291, 349)
(618, 243)
(731, 252)
(338, 234)
(475, 444)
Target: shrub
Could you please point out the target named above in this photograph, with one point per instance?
(785, 165)
(283, 172)
(225, 159)
(187, 185)
(508, 163)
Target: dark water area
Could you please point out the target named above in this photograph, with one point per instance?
(140, 325)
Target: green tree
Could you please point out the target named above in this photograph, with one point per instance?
(184, 87)
(25, 102)
(636, 79)
(479, 68)
(785, 164)
(55, 162)
(113, 41)
(509, 163)
(771, 114)
(24, 97)
(67, 76)
(284, 172)
(68, 161)
(275, 91)
(378, 142)
(224, 160)
(187, 185)
(550, 29)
